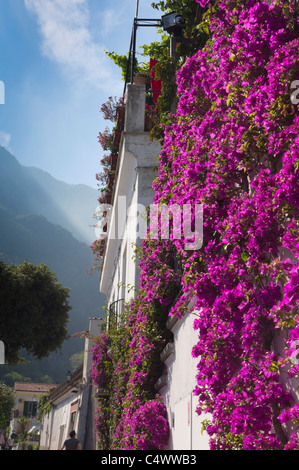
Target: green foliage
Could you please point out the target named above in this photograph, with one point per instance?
(11, 377)
(195, 36)
(122, 61)
(7, 400)
(76, 360)
(131, 367)
(25, 235)
(32, 447)
(33, 311)
(44, 407)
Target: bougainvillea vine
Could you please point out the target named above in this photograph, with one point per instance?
(233, 146)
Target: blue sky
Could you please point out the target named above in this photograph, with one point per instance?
(56, 77)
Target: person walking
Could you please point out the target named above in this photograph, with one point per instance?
(72, 443)
(10, 443)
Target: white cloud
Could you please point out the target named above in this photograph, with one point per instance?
(113, 19)
(110, 19)
(4, 139)
(66, 39)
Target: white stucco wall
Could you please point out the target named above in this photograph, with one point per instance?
(77, 398)
(185, 431)
(56, 426)
(137, 158)
(133, 192)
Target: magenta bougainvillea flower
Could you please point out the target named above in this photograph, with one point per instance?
(233, 146)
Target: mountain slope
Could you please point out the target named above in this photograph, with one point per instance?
(28, 235)
(26, 190)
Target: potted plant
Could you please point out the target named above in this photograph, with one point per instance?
(113, 161)
(105, 139)
(120, 116)
(112, 108)
(141, 78)
(149, 117)
(106, 196)
(116, 138)
(98, 247)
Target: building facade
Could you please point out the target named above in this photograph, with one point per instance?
(177, 384)
(72, 404)
(26, 402)
(133, 192)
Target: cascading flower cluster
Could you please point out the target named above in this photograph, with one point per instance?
(100, 375)
(101, 362)
(142, 422)
(124, 365)
(149, 426)
(233, 147)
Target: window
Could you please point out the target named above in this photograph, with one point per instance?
(30, 409)
(73, 415)
(72, 421)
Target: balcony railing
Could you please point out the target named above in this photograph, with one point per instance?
(116, 310)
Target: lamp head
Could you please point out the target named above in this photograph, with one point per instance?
(68, 376)
(173, 23)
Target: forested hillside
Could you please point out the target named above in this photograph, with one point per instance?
(33, 228)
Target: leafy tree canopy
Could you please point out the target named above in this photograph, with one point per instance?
(7, 399)
(33, 310)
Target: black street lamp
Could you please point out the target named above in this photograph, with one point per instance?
(68, 376)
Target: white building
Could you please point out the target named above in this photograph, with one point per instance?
(132, 194)
(177, 385)
(73, 404)
(26, 403)
(119, 277)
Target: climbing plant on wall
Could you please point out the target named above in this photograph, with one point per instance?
(126, 365)
(233, 146)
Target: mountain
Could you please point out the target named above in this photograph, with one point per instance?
(28, 190)
(45, 220)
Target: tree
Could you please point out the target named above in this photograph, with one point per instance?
(33, 310)
(7, 400)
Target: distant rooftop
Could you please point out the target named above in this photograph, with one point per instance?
(33, 387)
